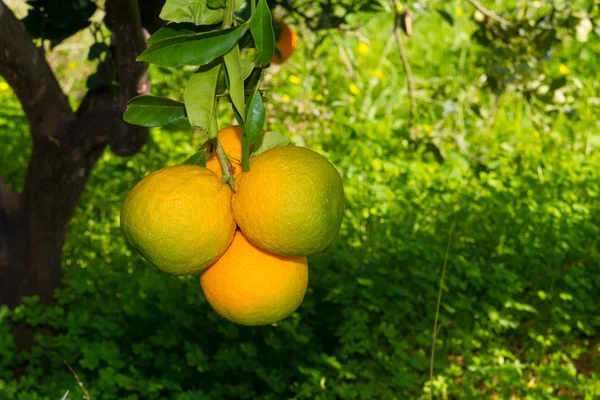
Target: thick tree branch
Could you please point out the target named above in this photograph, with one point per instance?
(489, 14)
(8, 199)
(40, 94)
(128, 42)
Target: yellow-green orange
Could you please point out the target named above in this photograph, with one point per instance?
(291, 202)
(179, 218)
(250, 286)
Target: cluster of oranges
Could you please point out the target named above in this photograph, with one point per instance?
(249, 246)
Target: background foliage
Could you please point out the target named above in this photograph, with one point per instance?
(506, 174)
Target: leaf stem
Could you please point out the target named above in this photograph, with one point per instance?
(252, 7)
(228, 17)
(436, 327)
(224, 161)
(410, 83)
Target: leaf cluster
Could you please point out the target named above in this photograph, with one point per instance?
(230, 55)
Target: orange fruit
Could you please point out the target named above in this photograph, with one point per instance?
(179, 218)
(250, 286)
(291, 202)
(231, 140)
(286, 44)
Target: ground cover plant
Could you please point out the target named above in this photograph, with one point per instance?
(496, 180)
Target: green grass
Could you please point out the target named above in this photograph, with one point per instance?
(520, 310)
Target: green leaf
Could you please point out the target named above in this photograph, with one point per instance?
(96, 50)
(199, 49)
(233, 65)
(198, 12)
(198, 158)
(178, 30)
(373, 6)
(262, 32)
(255, 120)
(95, 81)
(199, 98)
(214, 4)
(253, 80)
(247, 67)
(269, 141)
(447, 17)
(153, 111)
(558, 83)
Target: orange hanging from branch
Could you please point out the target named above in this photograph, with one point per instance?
(286, 45)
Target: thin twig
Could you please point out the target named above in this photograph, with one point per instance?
(489, 14)
(409, 76)
(86, 395)
(437, 309)
(224, 161)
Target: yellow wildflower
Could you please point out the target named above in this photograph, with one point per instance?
(458, 12)
(72, 65)
(354, 89)
(319, 97)
(294, 79)
(563, 69)
(378, 74)
(285, 98)
(399, 7)
(3, 86)
(363, 48)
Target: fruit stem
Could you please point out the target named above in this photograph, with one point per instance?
(224, 161)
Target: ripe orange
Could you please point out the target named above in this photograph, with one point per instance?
(231, 140)
(291, 202)
(250, 286)
(286, 44)
(179, 218)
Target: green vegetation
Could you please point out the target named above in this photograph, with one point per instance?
(507, 180)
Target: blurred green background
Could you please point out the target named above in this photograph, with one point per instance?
(502, 169)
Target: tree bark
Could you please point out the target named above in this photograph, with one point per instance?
(66, 147)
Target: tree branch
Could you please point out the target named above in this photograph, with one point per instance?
(489, 14)
(9, 200)
(128, 42)
(40, 94)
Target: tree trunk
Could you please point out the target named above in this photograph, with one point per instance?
(66, 147)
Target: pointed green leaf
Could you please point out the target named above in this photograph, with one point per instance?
(198, 12)
(199, 49)
(248, 57)
(447, 17)
(214, 4)
(262, 32)
(198, 158)
(177, 30)
(199, 98)
(255, 120)
(233, 65)
(269, 141)
(153, 111)
(253, 80)
(96, 50)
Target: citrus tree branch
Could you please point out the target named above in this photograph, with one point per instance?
(128, 42)
(405, 63)
(224, 161)
(8, 199)
(489, 14)
(41, 96)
